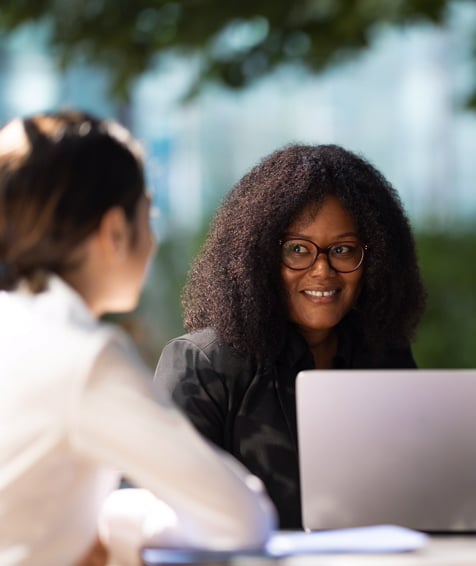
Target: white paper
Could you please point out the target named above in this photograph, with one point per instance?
(374, 539)
(362, 540)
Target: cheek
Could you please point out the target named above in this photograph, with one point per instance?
(288, 278)
(147, 243)
(289, 281)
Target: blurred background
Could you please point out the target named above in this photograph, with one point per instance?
(211, 87)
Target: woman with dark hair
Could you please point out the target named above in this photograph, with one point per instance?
(309, 263)
(77, 406)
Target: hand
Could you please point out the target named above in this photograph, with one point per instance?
(96, 556)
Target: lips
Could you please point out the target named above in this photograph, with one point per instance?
(320, 294)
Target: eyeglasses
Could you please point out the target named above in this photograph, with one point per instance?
(344, 257)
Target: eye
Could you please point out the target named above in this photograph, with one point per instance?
(295, 247)
(344, 249)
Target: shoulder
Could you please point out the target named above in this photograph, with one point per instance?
(399, 358)
(204, 348)
(389, 357)
(62, 353)
(201, 356)
(356, 353)
(205, 340)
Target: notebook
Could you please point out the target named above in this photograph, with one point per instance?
(388, 447)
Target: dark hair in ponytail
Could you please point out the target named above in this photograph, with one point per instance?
(59, 174)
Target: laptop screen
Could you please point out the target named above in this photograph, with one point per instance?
(388, 446)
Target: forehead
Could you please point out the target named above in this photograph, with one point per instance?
(329, 214)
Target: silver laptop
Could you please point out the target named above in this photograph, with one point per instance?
(388, 447)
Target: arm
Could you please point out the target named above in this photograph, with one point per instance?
(123, 423)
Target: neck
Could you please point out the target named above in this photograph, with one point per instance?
(323, 347)
(86, 290)
(86, 278)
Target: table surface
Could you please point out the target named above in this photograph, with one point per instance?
(441, 550)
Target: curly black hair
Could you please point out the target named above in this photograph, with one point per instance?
(234, 285)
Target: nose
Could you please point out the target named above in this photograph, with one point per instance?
(321, 266)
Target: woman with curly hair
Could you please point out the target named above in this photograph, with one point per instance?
(309, 263)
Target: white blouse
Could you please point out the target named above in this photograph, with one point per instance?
(77, 409)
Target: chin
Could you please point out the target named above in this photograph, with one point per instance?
(122, 306)
(128, 307)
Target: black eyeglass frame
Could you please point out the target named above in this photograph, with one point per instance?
(324, 251)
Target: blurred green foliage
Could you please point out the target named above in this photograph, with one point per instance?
(446, 337)
(447, 334)
(233, 42)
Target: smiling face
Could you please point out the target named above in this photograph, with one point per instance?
(319, 297)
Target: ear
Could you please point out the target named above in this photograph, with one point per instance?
(113, 234)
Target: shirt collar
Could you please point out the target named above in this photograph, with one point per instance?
(60, 301)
